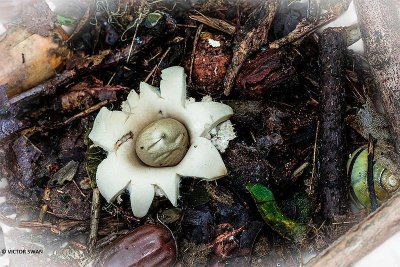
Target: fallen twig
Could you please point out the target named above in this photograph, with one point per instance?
(35, 129)
(94, 221)
(332, 151)
(217, 24)
(303, 29)
(158, 65)
(85, 112)
(56, 228)
(255, 33)
(192, 56)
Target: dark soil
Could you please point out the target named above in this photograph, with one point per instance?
(276, 100)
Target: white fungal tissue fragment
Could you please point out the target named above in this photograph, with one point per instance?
(222, 134)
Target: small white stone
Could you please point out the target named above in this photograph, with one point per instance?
(214, 43)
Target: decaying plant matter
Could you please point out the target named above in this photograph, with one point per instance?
(252, 36)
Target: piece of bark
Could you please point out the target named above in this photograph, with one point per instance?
(379, 29)
(27, 155)
(362, 238)
(332, 142)
(19, 165)
(46, 88)
(269, 69)
(253, 35)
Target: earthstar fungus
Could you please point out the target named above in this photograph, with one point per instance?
(118, 132)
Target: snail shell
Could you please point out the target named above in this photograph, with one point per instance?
(162, 143)
(385, 182)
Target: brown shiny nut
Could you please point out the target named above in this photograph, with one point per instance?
(211, 61)
(147, 245)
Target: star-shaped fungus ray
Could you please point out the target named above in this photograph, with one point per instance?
(108, 128)
(141, 195)
(170, 186)
(142, 188)
(131, 102)
(201, 117)
(202, 161)
(113, 175)
(173, 86)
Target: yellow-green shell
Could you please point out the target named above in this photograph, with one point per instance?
(385, 183)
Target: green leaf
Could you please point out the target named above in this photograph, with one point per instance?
(152, 19)
(273, 216)
(67, 21)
